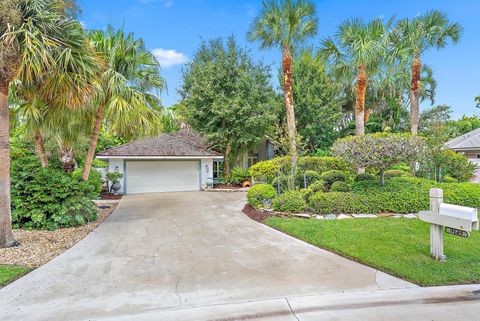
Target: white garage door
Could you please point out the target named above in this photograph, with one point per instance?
(162, 176)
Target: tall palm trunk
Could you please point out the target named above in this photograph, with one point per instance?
(67, 158)
(360, 101)
(289, 110)
(360, 106)
(40, 147)
(6, 237)
(93, 142)
(415, 95)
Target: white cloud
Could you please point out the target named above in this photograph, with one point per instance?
(169, 57)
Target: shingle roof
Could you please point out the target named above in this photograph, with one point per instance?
(182, 143)
(470, 140)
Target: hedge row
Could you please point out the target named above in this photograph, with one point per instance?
(265, 171)
(400, 195)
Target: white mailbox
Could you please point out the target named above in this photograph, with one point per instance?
(454, 216)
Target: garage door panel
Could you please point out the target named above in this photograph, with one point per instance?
(162, 176)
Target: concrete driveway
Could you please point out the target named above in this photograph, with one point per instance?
(174, 251)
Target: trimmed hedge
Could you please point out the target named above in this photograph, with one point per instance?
(340, 187)
(365, 177)
(395, 173)
(291, 201)
(400, 195)
(333, 176)
(265, 171)
(259, 194)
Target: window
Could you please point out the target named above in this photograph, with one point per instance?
(252, 160)
(217, 170)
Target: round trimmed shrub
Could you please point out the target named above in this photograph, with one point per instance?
(365, 177)
(395, 173)
(340, 187)
(260, 194)
(310, 177)
(333, 176)
(290, 201)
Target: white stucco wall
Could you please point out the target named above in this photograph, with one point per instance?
(206, 172)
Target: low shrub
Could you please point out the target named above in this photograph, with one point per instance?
(399, 195)
(330, 177)
(340, 187)
(395, 173)
(259, 194)
(401, 166)
(94, 180)
(290, 201)
(449, 179)
(365, 177)
(307, 178)
(49, 198)
(282, 181)
(97, 163)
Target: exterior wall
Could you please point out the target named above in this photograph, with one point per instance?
(263, 151)
(112, 165)
(206, 172)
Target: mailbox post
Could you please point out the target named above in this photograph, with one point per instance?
(457, 220)
(436, 231)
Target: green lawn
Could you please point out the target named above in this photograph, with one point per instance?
(397, 246)
(9, 273)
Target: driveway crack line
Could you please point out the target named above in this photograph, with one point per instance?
(291, 310)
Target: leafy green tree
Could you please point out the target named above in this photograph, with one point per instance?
(477, 100)
(125, 96)
(227, 97)
(285, 24)
(358, 48)
(415, 37)
(317, 99)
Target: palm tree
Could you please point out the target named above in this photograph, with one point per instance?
(285, 24)
(37, 40)
(357, 51)
(130, 75)
(416, 36)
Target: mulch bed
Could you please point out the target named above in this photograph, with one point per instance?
(255, 214)
(110, 196)
(227, 186)
(37, 247)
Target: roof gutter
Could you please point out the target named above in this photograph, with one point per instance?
(160, 157)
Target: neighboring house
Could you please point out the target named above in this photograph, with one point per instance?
(165, 163)
(469, 145)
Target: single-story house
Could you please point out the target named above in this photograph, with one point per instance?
(469, 145)
(165, 163)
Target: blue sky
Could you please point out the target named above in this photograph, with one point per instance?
(172, 29)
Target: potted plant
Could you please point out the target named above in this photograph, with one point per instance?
(114, 178)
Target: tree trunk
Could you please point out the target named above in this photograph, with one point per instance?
(415, 95)
(360, 101)
(289, 110)
(227, 169)
(366, 116)
(40, 147)
(93, 142)
(382, 177)
(6, 236)
(360, 106)
(67, 159)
